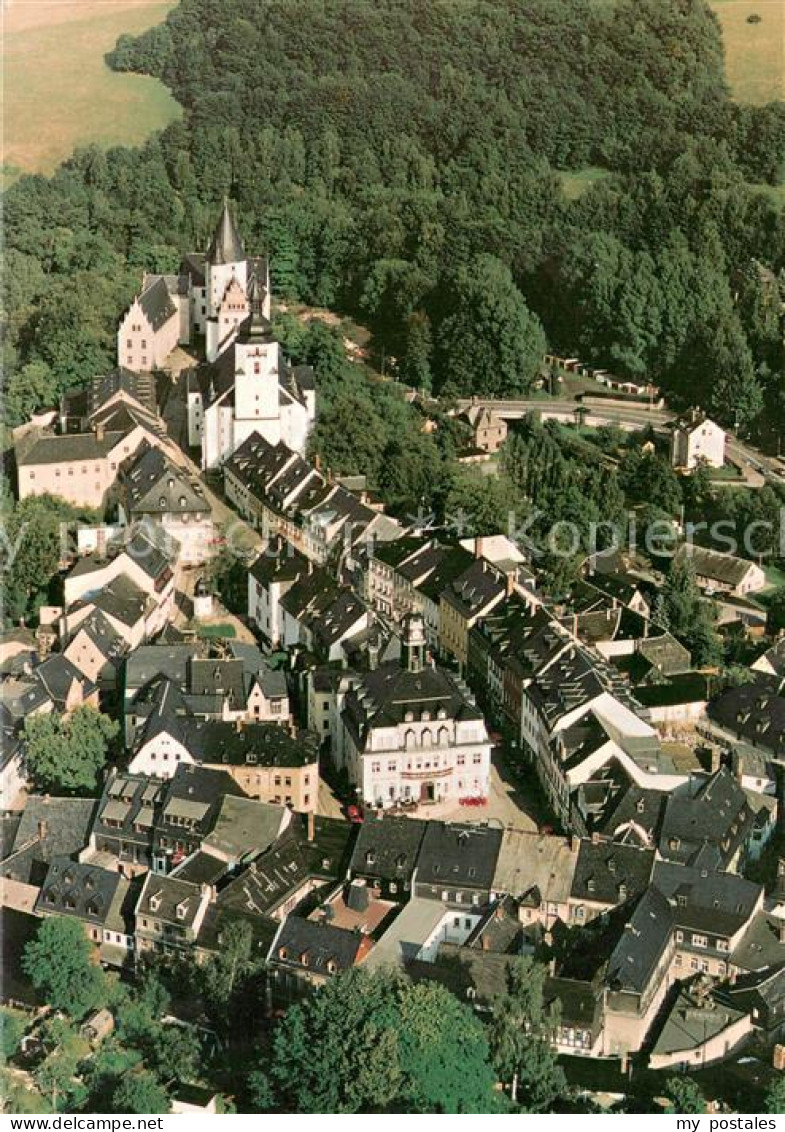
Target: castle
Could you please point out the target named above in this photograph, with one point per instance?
(245, 384)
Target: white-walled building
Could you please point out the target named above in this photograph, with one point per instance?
(697, 439)
(413, 731)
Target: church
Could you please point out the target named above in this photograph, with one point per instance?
(245, 383)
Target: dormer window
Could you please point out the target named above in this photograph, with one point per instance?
(305, 959)
(181, 910)
(370, 857)
(332, 966)
(155, 902)
(283, 953)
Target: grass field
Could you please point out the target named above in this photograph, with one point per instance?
(754, 53)
(576, 182)
(59, 93)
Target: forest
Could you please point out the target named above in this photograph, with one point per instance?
(403, 163)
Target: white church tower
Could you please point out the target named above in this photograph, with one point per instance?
(226, 285)
(258, 370)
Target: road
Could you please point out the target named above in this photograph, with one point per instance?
(756, 467)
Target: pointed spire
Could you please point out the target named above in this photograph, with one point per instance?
(226, 245)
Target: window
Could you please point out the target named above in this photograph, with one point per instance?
(699, 940)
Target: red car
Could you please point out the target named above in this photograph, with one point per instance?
(354, 814)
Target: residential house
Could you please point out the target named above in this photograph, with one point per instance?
(48, 828)
(305, 954)
(722, 573)
(154, 490)
(124, 820)
(488, 429)
(457, 865)
(606, 875)
(386, 853)
(97, 650)
(537, 871)
(271, 576)
(696, 439)
(752, 715)
(472, 595)
(101, 426)
(94, 895)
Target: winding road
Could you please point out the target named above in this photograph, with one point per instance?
(756, 467)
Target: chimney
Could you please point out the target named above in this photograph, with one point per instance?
(595, 837)
(43, 830)
(575, 843)
(778, 1060)
(479, 547)
(311, 825)
(484, 944)
(99, 432)
(510, 584)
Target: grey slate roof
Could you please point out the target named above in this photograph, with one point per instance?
(320, 944)
(643, 940)
(385, 696)
(754, 712)
(717, 813)
(49, 828)
(155, 486)
(474, 589)
(67, 448)
(388, 848)
(81, 890)
(459, 855)
(156, 302)
(610, 873)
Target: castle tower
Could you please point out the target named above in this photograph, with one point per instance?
(226, 266)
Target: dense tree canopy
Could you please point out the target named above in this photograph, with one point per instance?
(375, 1042)
(65, 754)
(404, 162)
(60, 963)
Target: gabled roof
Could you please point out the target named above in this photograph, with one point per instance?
(712, 564)
(474, 590)
(50, 827)
(643, 939)
(156, 302)
(317, 946)
(57, 674)
(610, 873)
(388, 848)
(104, 636)
(155, 486)
(715, 812)
(82, 890)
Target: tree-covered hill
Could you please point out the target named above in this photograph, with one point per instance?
(401, 159)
